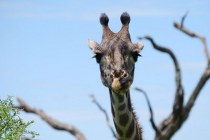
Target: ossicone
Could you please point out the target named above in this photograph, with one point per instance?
(125, 18)
(104, 19)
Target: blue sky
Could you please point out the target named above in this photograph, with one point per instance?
(45, 59)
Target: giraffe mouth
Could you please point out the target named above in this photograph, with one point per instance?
(120, 86)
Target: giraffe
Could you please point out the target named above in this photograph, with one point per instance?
(116, 56)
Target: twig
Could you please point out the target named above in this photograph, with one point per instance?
(52, 122)
(92, 96)
(183, 18)
(154, 126)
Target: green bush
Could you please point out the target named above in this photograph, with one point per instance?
(12, 127)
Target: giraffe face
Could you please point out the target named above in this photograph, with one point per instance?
(117, 63)
(116, 56)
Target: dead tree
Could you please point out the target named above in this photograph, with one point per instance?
(52, 122)
(180, 112)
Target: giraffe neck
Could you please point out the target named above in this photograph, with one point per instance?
(124, 118)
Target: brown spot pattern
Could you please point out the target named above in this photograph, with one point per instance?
(123, 119)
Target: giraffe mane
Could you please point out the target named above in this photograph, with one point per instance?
(134, 114)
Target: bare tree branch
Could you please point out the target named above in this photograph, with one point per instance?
(154, 126)
(205, 76)
(92, 96)
(183, 29)
(52, 122)
(170, 53)
(169, 126)
(179, 96)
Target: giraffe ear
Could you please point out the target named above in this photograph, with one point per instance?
(97, 50)
(136, 50)
(138, 47)
(94, 46)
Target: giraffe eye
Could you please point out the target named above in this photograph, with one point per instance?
(135, 56)
(98, 57)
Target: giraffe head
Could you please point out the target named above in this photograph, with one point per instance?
(116, 55)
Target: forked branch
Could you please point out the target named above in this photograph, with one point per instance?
(52, 122)
(190, 33)
(180, 113)
(206, 74)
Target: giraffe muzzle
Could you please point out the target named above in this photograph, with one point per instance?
(121, 81)
(118, 74)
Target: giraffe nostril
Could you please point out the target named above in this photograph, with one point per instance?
(112, 74)
(119, 74)
(123, 74)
